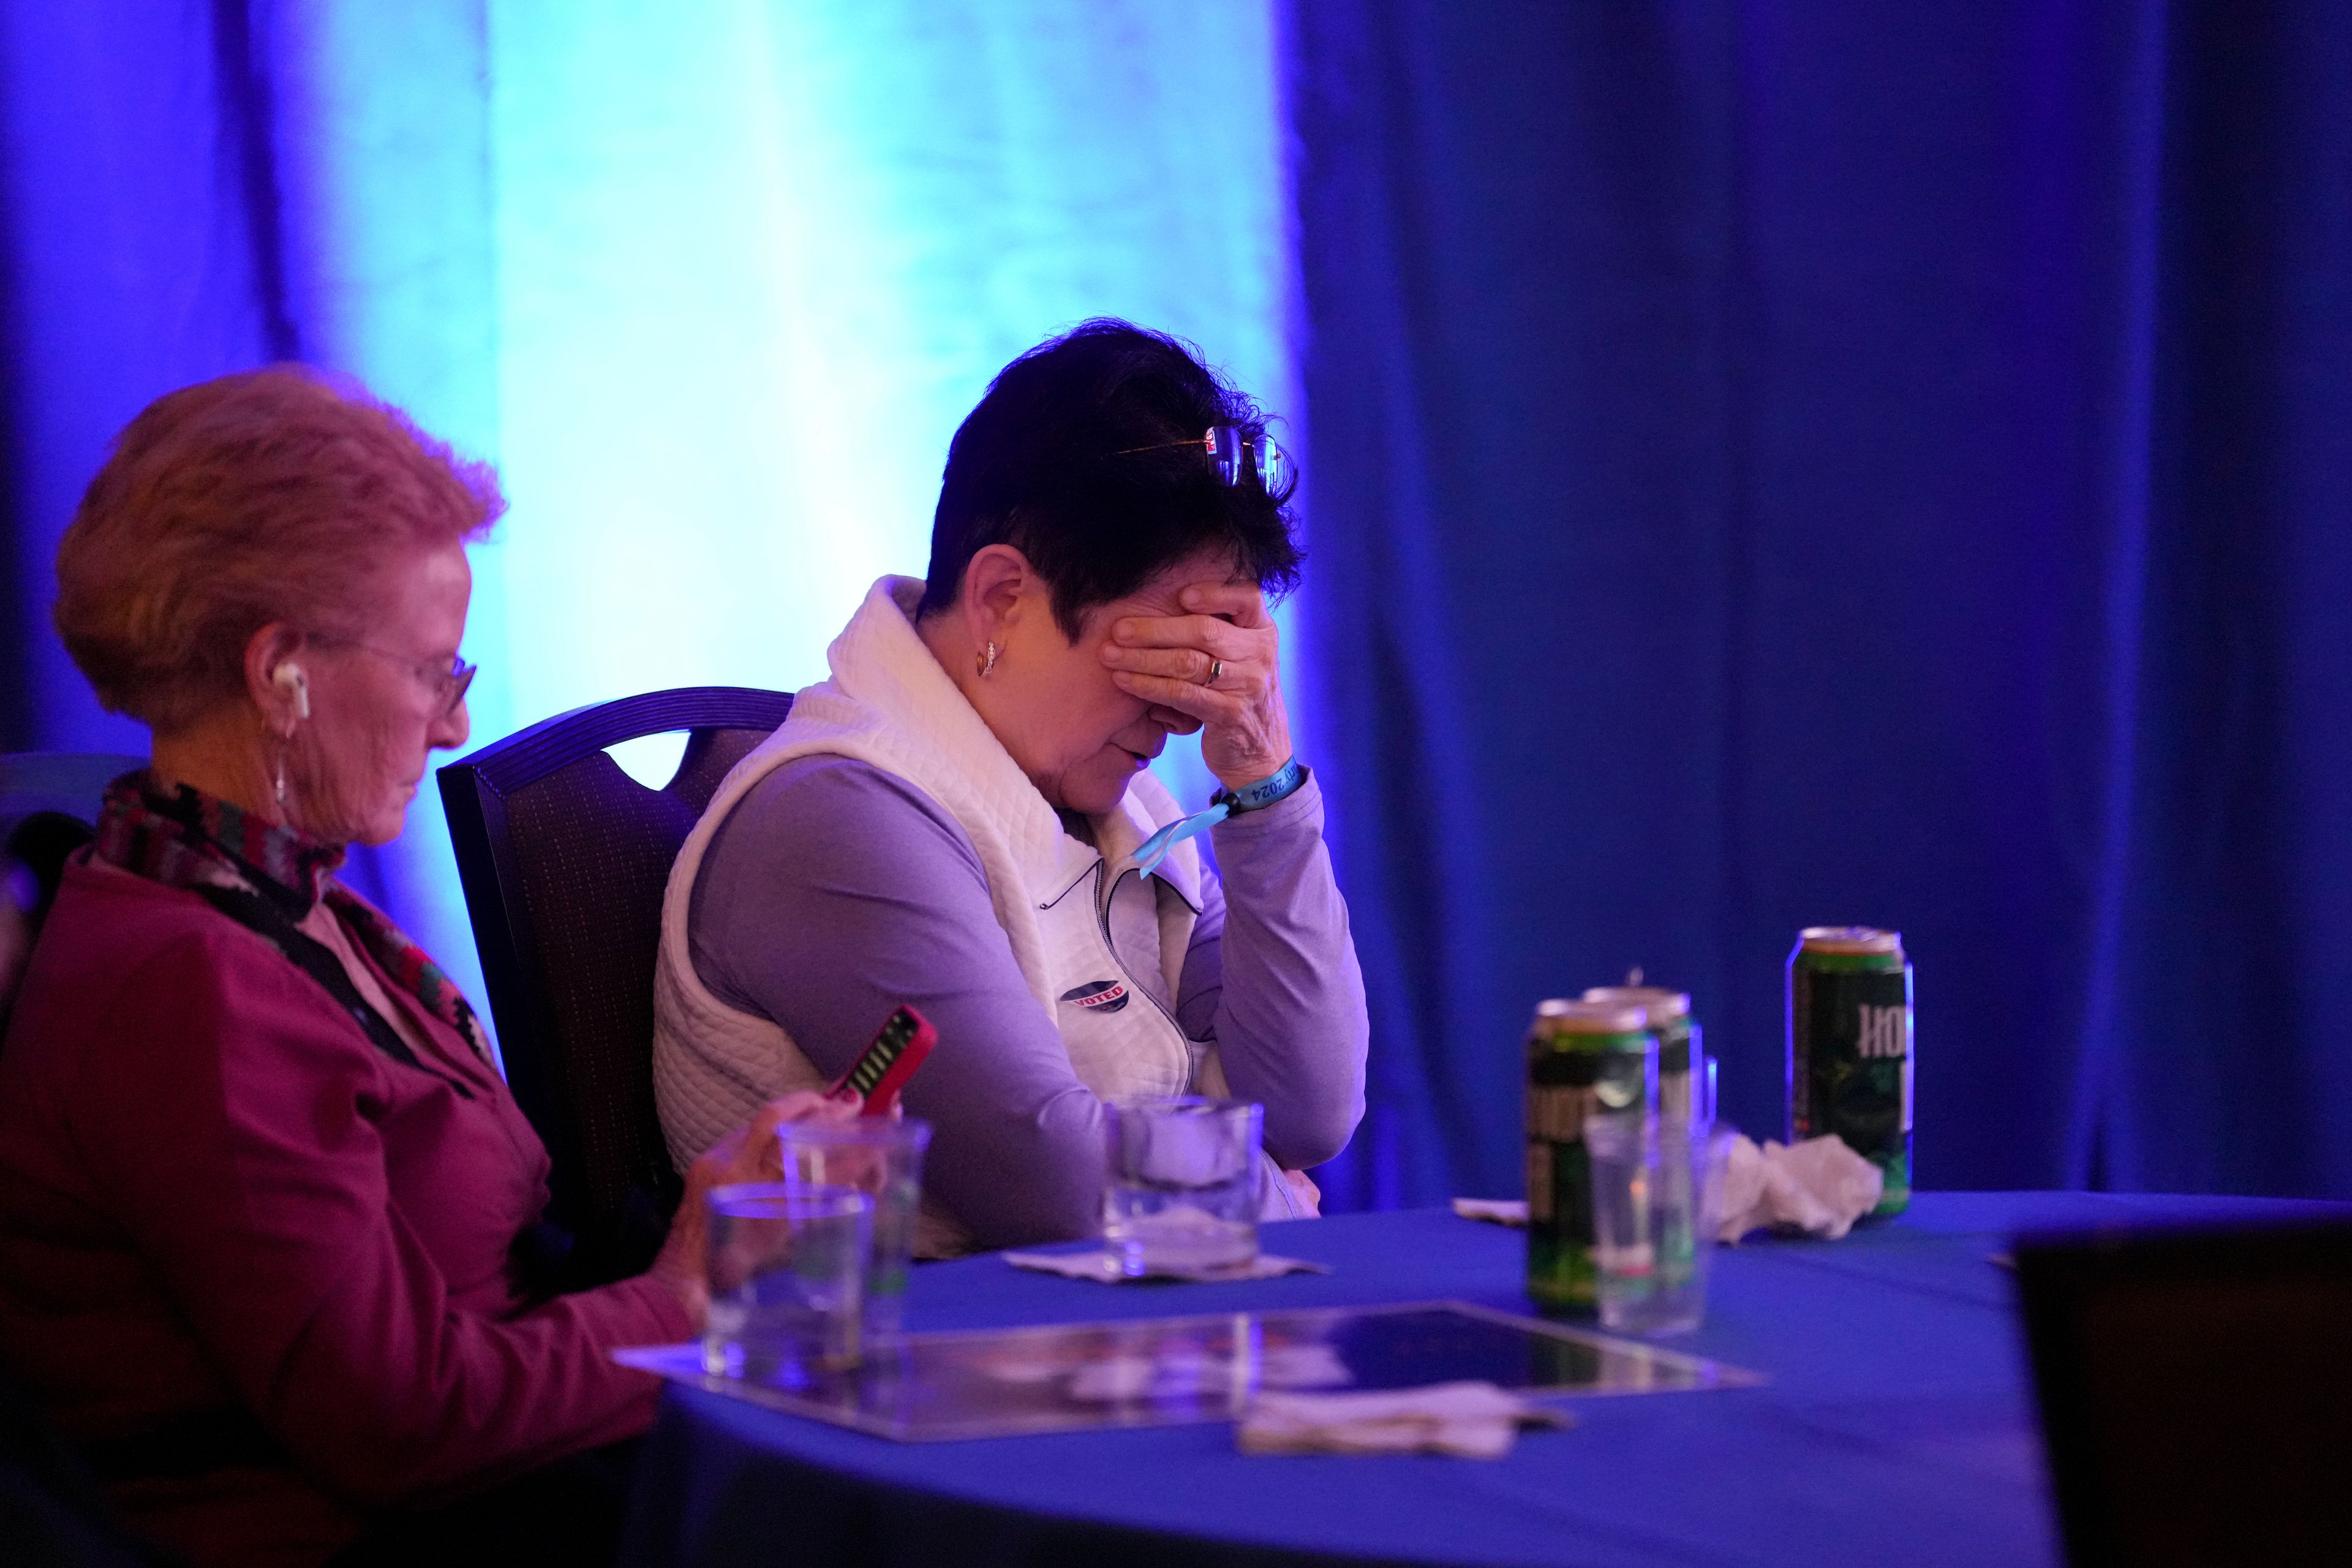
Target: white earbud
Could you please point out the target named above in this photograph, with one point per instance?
(288, 677)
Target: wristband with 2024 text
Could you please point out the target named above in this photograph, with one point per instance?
(1281, 785)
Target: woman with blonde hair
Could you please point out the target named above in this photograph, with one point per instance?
(262, 1189)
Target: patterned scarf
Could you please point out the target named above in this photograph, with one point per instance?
(194, 840)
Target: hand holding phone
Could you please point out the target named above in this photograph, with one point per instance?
(882, 1070)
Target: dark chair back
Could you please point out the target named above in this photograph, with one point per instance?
(2195, 1388)
(49, 801)
(564, 860)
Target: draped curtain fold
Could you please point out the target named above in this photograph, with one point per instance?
(1789, 465)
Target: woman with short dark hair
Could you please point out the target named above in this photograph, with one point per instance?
(263, 1192)
(958, 818)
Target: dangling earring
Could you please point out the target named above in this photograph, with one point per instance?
(988, 662)
(278, 774)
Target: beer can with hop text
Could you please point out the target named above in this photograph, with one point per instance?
(1850, 1048)
(1584, 1059)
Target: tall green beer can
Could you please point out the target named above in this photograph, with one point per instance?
(1584, 1059)
(1850, 1048)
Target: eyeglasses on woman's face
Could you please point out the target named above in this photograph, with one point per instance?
(448, 684)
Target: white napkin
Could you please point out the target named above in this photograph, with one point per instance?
(1819, 1187)
(1103, 1269)
(1469, 1420)
(1494, 1211)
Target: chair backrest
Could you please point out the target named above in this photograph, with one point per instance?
(48, 802)
(2195, 1387)
(564, 860)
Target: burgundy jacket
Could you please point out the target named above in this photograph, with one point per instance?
(218, 1199)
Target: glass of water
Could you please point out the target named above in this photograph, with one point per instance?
(882, 1158)
(787, 1273)
(1182, 1194)
(1657, 1199)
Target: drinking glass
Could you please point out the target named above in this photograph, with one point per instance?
(1182, 1194)
(787, 1271)
(1657, 1198)
(882, 1158)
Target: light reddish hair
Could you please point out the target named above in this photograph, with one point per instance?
(277, 494)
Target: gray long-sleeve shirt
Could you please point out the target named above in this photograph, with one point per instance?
(835, 892)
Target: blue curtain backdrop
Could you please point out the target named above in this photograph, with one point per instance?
(1779, 464)
(1771, 464)
(712, 284)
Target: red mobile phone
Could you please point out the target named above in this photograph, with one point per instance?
(882, 1070)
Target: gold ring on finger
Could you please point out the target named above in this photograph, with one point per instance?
(1216, 668)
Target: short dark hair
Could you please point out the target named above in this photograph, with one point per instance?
(1085, 455)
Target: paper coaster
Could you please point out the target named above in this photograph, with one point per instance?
(1103, 1269)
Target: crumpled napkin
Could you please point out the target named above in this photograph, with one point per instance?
(1819, 1187)
(1103, 1269)
(1469, 1420)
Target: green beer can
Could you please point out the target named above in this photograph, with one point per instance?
(1584, 1059)
(1850, 1048)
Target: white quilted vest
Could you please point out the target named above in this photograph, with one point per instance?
(889, 704)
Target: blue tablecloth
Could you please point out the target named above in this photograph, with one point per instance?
(1897, 1426)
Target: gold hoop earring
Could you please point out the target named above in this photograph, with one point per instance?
(988, 662)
